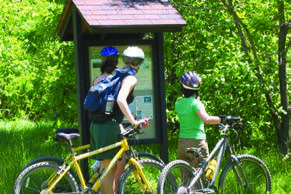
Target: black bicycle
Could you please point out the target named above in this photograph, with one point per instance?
(241, 174)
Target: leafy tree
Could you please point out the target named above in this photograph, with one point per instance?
(236, 55)
(251, 44)
(37, 71)
(239, 49)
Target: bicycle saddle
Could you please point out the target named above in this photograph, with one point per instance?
(67, 130)
(66, 137)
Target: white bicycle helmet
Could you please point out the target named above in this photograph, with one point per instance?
(133, 56)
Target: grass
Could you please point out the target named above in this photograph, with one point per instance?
(23, 141)
(279, 168)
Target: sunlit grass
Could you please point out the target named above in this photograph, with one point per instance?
(23, 141)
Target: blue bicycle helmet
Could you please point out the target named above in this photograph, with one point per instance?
(191, 81)
(109, 51)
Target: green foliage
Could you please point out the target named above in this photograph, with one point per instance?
(37, 78)
(211, 45)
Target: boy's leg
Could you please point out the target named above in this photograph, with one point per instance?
(201, 143)
(186, 143)
(182, 145)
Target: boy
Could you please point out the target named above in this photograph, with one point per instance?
(192, 116)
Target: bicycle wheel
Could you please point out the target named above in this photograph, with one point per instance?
(257, 176)
(176, 178)
(129, 184)
(45, 159)
(149, 156)
(34, 179)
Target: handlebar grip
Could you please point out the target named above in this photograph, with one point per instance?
(229, 118)
(235, 118)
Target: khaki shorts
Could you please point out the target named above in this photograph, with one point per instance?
(186, 143)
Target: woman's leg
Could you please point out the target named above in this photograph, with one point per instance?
(119, 171)
(107, 187)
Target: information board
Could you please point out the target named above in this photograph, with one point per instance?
(143, 104)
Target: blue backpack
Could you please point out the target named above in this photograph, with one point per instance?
(103, 95)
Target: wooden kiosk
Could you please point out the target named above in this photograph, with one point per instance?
(94, 24)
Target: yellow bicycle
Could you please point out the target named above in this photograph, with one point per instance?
(46, 177)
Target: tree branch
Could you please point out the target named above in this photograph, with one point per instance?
(257, 70)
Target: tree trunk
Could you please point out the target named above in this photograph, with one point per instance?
(281, 128)
(282, 50)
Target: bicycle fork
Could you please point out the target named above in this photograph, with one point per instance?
(239, 173)
(55, 178)
(139, 175)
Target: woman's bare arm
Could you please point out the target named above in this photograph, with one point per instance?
(127, 86)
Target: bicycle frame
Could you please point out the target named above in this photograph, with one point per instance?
(123, 144)
(220, 146)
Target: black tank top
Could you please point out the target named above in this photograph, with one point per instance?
(117, 114)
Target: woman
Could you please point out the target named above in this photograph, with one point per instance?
(105, 129)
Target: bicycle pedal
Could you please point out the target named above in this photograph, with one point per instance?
(207, 190)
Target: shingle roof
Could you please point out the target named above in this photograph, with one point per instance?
(125, 15)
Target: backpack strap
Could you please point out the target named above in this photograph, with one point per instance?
(125, 72)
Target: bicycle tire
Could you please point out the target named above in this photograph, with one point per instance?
(256, 172)
(170, 180)
(58, 161)
(33, 179)
(149, 156)
(53, 159)
(128, 183)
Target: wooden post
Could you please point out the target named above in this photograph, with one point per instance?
(164, 153)
(289, 138)
(82, 76)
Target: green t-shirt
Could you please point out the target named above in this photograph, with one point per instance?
(191, 126)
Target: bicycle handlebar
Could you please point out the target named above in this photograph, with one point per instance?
(230, 122)
(234, 118)
(229, 119)
(127, 129)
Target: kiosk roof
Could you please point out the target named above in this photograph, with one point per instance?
(121, 16)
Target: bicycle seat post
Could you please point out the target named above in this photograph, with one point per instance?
(67, 139)
(70, 144)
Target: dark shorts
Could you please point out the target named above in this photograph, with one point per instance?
(102, 135)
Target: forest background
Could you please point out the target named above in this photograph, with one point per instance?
(233, 45)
